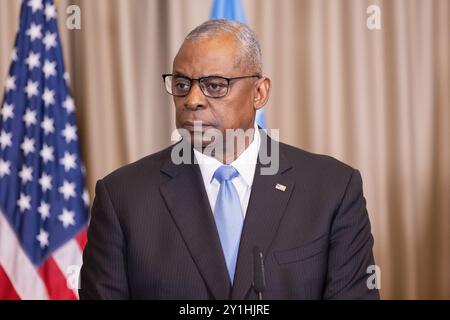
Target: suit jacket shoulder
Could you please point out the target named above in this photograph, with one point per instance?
(144, 168)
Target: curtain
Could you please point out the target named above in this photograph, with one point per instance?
(376, 99)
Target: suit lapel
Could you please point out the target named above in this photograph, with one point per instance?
(264, 213)
(187, 201)
(186, 198)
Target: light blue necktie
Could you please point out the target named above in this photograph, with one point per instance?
(228, 216)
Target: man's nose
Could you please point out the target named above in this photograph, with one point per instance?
(195, 99)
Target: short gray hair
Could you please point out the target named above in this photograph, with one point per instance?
(245, 37)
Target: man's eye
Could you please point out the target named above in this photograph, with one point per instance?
(182, 86)
(215, 86)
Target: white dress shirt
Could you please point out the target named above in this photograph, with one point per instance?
(245, 164)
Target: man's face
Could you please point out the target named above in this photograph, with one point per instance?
(216, 56)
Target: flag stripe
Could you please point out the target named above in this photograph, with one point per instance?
(55, 282)
(17, 266)
(69, 261)
(7, 291)
(82, 239)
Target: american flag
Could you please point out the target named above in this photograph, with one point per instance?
(43, 201)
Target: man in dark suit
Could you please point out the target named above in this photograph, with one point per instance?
(161, 229)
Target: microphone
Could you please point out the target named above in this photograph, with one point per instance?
(259, 279)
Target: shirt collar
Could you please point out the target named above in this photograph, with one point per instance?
(245, 164)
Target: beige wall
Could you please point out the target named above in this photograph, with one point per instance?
(378, 100)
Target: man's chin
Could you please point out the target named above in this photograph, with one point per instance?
(202, 141)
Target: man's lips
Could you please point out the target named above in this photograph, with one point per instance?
(197, 126)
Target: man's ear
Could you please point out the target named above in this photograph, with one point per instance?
(261, 92)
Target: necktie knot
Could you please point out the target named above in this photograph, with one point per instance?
(225, 173)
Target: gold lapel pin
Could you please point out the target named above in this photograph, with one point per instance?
(280, 187)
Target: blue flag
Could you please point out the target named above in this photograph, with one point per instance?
(43, 201)
(228, 9)
(233, 10)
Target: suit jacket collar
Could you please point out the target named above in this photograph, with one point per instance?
(187, 201)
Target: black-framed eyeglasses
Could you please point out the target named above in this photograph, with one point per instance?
(211, 86)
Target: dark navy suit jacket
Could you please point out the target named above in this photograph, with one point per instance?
(152, 233)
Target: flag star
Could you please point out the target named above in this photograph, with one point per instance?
(69, 105)
(5, 139)
(5, 168)
(29, 117)
(67, 77)
(7, 111)
(49, 97)
(33, 60)
(35, 5)
(34, 32)
(86, 197)
(49, 40)
(14, 55)
(10, 83)
(69, 133)
(47, 125)
(27, 145)
(47, 153)
(68, 161)
(67, 218)
(67, 189)
(46, 182)
(42, 237)
(31, 89)
(50, 11)
(26, 174)
(44, 210)
(49, 68)
(24, 202)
